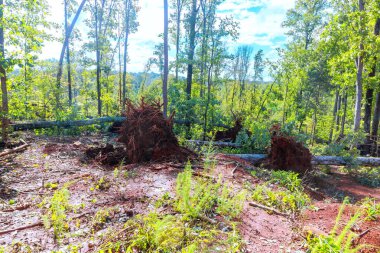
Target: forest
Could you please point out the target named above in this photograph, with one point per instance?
(217, 144)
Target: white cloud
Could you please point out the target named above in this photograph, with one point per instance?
(260, 27)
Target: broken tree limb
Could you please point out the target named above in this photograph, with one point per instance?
(254, 204)
(22, 126)
(318, 160)
(15, 150)
(38, 223)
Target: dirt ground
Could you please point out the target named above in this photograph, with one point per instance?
(61, 160)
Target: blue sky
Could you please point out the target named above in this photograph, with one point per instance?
(260, 26)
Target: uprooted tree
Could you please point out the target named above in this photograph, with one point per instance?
(288, 154)
(148, 135)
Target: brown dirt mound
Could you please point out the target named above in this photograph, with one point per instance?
(288, 154)
(148, 136)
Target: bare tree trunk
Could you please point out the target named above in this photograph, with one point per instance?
(190, 59)
(98, 29)
(166, 60)
(64, 47)
(339, 108)
(209, 83)
(3, 77)
(203, 52)
(335, 111)
(375, 125)
(68, 56)
(343, 122)
(193, 20)
(127, 15)
(120, 74)
(178, 34)
(359, 80)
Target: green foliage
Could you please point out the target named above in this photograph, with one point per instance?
(335, 242)
(103, 184)
(100, 219)
(283, 200)
(196, 201)
(257, 142)
(56, 209)
(287, 179)
(367, 176)
(196, 198)
(371, 209)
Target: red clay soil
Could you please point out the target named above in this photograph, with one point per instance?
(323, 220)
(148, 136)
(288, 154)
(338, 184)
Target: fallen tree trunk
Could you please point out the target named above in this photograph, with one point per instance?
(22, 126)
(15, 150)
(64, 124)
(318, 160)
(215, 143)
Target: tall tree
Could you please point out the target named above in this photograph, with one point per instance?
(66, 6)
(131, 24)
(178, 8)
(4, 90)
(166, 58)
(359, 71)
(64, 48)
(258, 66)
(191, 49)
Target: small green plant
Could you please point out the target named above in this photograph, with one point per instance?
(51, 185)
(337, 242)
(100, 219)
(56, 209)
(165, 200)
(371, 209)
(196, 198)
(284, 200)
(208, 152)
(102, 184)
(197, 202)
(12, 202)
(287, 179)
(229, 204)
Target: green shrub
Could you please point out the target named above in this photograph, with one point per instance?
(283, 200)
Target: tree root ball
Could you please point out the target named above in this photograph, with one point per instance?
(288, 154)
(148, 135)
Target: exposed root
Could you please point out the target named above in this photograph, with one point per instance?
(288, 154)
(148, 136)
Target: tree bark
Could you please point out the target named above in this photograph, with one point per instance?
(193, 19)
(166, 59)
(343, 122)
(359, 80)
(64, 47)
(317, 160)
(68, 56)
(127, 15)
(178, 34)
(190, 59)
(375, 125)
(335, 111)
(3, 77)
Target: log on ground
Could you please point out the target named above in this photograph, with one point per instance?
(317, 160)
